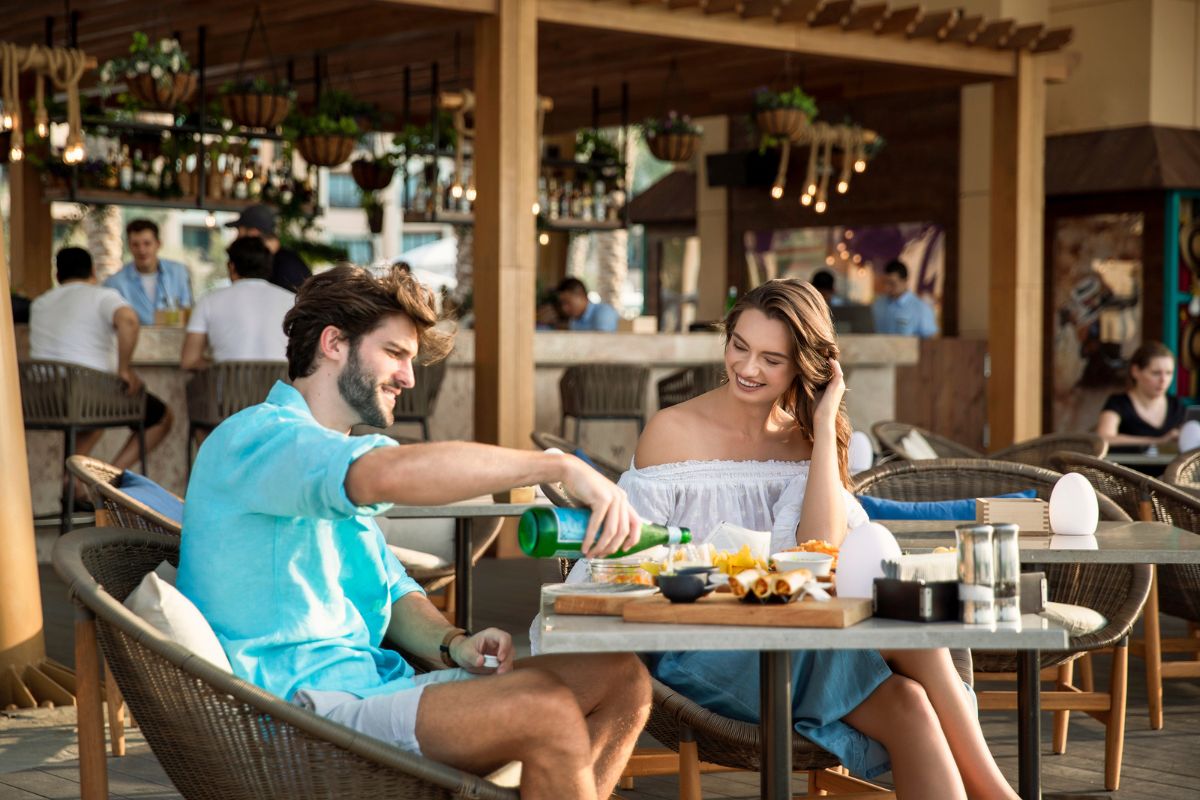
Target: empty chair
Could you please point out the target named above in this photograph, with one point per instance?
(689, 382)
(70, 398)
(1037, 451)
(103, 482)
(603, 391)
(1184, 471)
(222, 390)
(416, 405)
(912, 443)
(1176, 589)
(1116, 591)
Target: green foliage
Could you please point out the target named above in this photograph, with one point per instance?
(258, 85)
(673, 122)
(337, 113)
(369, 200)
(413, 140)
(592, 144)
(162, 60)
(767, 100)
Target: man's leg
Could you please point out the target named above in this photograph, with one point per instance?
(529, 716)
(613, 692)
(158, 425)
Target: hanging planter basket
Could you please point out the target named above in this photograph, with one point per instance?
(375, 219)
(781, 122)
(256, 110)
(326, 149)
(371, 176)
(162, 97)
(675, 147)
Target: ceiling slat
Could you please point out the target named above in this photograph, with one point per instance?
(993, 33)
(934, 25)
(830, 13)
(796, 10)
(864, 17)
(966, 28)
(1023, 38)
(1055, 39)
(899, 20)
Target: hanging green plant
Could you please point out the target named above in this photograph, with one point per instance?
(673, 137)
(158, 74)
(257, 102)
(782, 115)
(325, 135)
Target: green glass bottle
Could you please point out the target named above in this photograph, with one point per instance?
(550, 532)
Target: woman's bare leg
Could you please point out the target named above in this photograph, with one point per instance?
(935, 672)
(899, 716)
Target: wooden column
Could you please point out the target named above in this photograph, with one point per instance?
(1015, 303)
(506, 165)
(32, 231)
(21, 642)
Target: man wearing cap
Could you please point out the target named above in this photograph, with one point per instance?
(288, 270)
(148, 282)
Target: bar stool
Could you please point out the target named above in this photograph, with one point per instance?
(689, 382)
(603, 391)
(417, 404)
(58, 396)
(222, 390)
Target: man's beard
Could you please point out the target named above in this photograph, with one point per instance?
(360, 390)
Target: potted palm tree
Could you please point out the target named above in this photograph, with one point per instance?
(782, 115)
(257, 102)
(158, 74)
(673, 137)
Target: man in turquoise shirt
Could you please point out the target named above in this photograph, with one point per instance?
(148, 282)
(580, 312)
(281, 554)
(898, 310)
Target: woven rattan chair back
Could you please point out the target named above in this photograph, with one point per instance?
(417, 404)
(1038, 451)
(70, 398)
(222, 390)
(1184, 471)
(548, 440)
(1144, 497)
(688, 383)
(1117, 591)
(123, 511)
(603, 391)
(216, 736)
(890, 436)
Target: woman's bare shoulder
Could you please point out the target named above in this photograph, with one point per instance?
(676, 434)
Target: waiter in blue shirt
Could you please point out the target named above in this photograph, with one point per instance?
(898, 310)
(582, 314)
(148, 282)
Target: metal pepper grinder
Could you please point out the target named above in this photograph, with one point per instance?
(976, 574)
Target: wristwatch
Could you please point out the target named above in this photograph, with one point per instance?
(447, 640)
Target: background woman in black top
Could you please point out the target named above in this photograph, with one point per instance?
(1144, 415)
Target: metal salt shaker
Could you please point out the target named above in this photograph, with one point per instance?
(1007, 550)
(976, 574)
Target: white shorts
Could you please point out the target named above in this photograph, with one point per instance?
(391, 717)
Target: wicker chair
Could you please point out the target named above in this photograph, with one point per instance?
(688, 383)
(1117, 591)
(120, 510)
(1037, 451)
(603, 391)
(1176, 587)
(215, 735)
(417, 404)
(891, 434)
(222, 390)
(548, 440)
(67, 397)
(434, 579)
(1184, 471)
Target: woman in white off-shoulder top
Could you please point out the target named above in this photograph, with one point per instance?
(768, 451)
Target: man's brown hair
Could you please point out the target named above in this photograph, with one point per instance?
(139, 225)
(356, 302)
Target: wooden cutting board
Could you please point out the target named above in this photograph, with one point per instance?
(725, 609)
(605, 605)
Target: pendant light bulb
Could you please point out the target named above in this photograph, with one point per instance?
(456, 191)
(806, 199)
(843, 187)
(860, 165)
(819, 207)
(543, 238)
(537, 209)
(471, 194)
(776, 191)
(16, 154)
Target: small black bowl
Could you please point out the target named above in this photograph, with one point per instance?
(686, 585)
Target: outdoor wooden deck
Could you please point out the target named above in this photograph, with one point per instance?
(38, 758)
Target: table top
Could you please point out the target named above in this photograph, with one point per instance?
(475, 507)
(1141, 459)
(1114, 543)
(563, 633)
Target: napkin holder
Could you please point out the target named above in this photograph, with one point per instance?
(1033, 592)
(1030, 514)
(915, 601)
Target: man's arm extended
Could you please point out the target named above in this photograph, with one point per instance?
(446, 472)
(125, 321)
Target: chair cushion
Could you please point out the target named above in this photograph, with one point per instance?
(1078, 620)
(164, 608)
(146, 491)
(964, 509)
(417, 559)
(917, 447)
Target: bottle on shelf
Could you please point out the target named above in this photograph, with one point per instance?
(731, 299)
(125, 170)
(139, 172)
(555, 199)
(568, 192)
(543, 196)
(550, 532)
(227, 176)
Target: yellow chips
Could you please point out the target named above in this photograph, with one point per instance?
(733, 563)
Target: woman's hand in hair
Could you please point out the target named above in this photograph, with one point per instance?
(829, 401)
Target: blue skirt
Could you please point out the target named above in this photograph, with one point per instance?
(826, 686)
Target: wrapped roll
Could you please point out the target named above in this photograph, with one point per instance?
(791, 584)
(742, 583)
(762, 585)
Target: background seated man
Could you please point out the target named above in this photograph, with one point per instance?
(82, 323)
(582, 314)
(898, 310)
(242, 322)
(281, 554)
(258, 221)
(148, 282)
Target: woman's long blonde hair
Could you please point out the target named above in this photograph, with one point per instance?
(805, 314)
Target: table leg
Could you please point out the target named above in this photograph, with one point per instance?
(462, 572)
(1029, 725)
(775, 729)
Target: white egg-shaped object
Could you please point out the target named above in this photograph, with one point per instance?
(1074, 543)
(1189, 436)
(859, 559)
(1074, 510)
(862, 453)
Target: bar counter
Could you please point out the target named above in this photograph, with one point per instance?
(869, 363)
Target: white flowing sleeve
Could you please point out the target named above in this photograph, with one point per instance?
(786, 513)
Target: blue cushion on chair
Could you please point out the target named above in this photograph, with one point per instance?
(146, 491)
(882, 508)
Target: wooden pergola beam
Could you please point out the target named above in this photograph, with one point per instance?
(765, 34)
